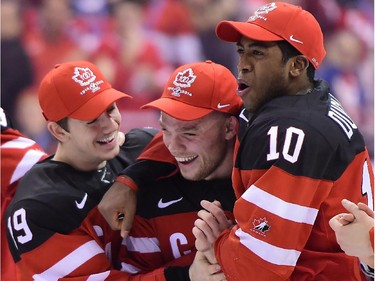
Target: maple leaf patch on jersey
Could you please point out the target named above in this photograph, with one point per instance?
(261, 226)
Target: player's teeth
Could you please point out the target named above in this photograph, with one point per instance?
(184, 159)
(108, 139)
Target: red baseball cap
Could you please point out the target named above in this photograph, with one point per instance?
(77, 90)
(279, 21)
(194, 90)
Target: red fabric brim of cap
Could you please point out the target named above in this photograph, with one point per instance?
(232, 31)
(99, 103)
(179, 110)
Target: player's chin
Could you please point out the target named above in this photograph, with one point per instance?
(111, 153)
(190, 175)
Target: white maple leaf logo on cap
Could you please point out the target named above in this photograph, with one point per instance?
(262, 11)
(83, 76)
(185, 79)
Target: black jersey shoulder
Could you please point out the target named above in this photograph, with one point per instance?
(135, 141)
(328, 136)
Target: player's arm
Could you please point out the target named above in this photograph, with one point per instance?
(200, 270)
(47, 244)
(143, 255)
(118, 205)
(270, 254)
(151, 267)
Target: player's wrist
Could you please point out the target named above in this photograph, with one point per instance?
(368, 260)
(127, 181)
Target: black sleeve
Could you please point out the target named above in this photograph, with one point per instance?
(135, 141)
(143, 172)
(180, 273)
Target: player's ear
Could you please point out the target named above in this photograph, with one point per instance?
(231, 127)
(57, 131)
(298, 65)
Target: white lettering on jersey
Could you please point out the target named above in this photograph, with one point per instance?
(177, 239)
(3, 119)
(337, 114)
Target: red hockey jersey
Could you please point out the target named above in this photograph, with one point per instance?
(297, 158)
(18, 155)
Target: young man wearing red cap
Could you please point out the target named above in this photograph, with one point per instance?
(199, 108)
(54, 230)
(299, 155)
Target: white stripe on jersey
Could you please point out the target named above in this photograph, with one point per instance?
(142, 244)
(99, 276)
(127, 267)
(268, 252)
(279, 207)
(70, 262)
(19, 142)
(27, 161)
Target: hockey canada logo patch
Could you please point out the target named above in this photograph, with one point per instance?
(259, 14)
(261, 226)
(183, 79)
(85, 77)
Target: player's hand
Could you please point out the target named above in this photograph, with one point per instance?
(345, 218)
(202, 270)
(120, 138)
(118, 207)
(214, 218)
(354, 237)
(366, 209)
(212, 221)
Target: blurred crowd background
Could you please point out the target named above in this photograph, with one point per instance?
(137, 44)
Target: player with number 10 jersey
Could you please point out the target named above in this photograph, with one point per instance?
(296, 159)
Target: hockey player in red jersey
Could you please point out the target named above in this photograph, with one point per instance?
(54, 230)
(199, 108)
(298, 156)
(18, 154)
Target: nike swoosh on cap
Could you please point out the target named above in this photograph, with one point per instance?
(163, 205)
(295, 40)
(219, 105)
